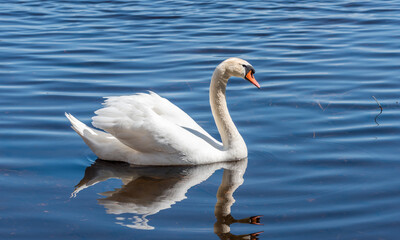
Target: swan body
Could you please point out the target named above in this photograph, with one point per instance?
(146, 129)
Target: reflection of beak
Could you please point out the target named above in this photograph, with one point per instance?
(255, 235)
(255, 220)
(250, 78)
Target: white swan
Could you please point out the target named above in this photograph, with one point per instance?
(146, 129)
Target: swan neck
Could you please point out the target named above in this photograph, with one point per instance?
(230, 136)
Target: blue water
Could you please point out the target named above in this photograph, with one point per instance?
(322, 163)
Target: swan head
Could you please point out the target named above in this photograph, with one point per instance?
(237, 67)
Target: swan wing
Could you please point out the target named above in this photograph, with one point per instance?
(148, 123)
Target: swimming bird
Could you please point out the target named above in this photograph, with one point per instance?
(146, 129)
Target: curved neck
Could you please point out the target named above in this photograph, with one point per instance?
(230, 136)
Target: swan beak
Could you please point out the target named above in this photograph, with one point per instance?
(250, 78)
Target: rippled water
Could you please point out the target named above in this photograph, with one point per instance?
(322, 164)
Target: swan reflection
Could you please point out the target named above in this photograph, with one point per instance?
(148, 190)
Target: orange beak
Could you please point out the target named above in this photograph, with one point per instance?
(250, 77)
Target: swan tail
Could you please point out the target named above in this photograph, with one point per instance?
(103, 144)
(92, 137)
(79, 126)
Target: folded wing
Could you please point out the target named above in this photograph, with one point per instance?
(150, 123)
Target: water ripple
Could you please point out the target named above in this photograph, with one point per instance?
(319, 165)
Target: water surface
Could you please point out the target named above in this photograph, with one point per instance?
(321, 165)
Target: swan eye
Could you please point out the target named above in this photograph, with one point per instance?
(248, 69)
